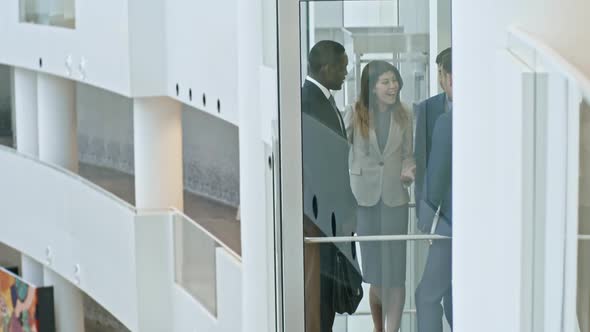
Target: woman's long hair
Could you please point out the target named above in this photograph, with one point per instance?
(367, 100)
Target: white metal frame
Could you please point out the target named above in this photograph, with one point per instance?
(291, 300)
(569, 323)
(289, 200)
(577, 85)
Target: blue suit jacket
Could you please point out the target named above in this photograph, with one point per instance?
(427, 112)
(438, 189)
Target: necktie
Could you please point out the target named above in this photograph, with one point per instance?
(333, 103)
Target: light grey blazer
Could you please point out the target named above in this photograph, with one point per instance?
(375, 175)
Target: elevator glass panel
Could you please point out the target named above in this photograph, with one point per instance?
(365, 66)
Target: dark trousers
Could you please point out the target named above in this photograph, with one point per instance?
(435, 287)
(319, 311)
(326, 307)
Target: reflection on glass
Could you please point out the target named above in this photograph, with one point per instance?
(583, 305)
(61, 13)
(364, 78)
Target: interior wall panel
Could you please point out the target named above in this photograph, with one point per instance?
(201, 55)
(95, 52)
(79, 231)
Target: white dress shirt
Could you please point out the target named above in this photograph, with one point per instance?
(325, 90)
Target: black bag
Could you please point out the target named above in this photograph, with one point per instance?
(347, 288)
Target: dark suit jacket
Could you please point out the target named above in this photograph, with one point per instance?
(427, 112)
(438, 189)
(315, 103)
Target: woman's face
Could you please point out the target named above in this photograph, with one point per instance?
(387, 88)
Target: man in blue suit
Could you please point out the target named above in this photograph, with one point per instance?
(427, 112)
(435, 285)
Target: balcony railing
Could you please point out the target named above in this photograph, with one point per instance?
(195, 260)
(416, 254)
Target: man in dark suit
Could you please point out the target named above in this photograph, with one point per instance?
(435, 285)
(427, 112)
(327, 71)
(327, 63)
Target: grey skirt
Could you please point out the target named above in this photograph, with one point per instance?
(383, 263)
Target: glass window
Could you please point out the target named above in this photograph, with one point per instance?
(60, 13)
(369, 264)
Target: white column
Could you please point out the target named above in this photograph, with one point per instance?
(69, 304)
(158, 153)
(256, 310)
(24, 106)
(157, 130)
(56, 100)
(24, 99)
(57, 121)
(31, 270)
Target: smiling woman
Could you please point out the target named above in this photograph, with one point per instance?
(380, 187)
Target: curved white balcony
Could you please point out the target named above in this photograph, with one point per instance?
(74, 228)
(100, 244)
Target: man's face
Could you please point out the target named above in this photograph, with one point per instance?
(446, 83)
(334, 74)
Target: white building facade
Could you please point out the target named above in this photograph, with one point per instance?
(152, 157)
